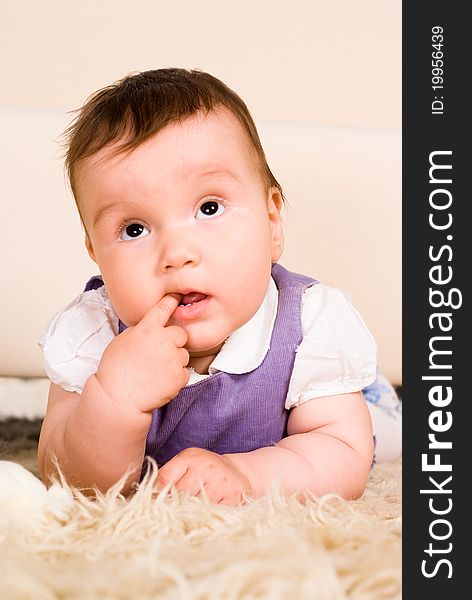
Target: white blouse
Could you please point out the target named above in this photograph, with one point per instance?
(337, 354)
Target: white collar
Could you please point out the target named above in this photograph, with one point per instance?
(245, 348)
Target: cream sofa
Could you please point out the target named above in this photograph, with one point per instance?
(342, 220)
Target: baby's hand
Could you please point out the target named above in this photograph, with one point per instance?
(194, 468)
(144, 367)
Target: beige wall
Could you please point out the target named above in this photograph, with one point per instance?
(333, 62)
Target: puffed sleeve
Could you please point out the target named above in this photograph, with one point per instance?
(337, 354)
(76, 337)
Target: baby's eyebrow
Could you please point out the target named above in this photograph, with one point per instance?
(104, 210)
(217, 171)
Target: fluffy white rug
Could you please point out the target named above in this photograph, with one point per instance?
(57, 543)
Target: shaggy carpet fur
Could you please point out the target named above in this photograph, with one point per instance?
(59, 544)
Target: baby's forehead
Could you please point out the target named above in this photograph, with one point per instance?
(206, 142)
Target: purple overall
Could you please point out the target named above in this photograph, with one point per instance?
(228, 413)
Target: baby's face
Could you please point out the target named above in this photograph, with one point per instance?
(185, 212)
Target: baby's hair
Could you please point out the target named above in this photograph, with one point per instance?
(135, 108)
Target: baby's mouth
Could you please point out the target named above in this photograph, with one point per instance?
(192, 298)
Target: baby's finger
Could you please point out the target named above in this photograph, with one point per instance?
(185, 356)
(161, 312)
(213, 491)
(172, 471)
(185, 376)
(177, 334)
(191, 483)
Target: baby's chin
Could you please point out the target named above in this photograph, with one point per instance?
(204, 342)
(198, 348)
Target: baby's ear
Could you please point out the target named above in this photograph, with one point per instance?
(88, 245)
(274, 206)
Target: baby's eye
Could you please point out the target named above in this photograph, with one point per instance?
(133, 231)
(209, 209)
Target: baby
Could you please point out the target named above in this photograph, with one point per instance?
(194, 346)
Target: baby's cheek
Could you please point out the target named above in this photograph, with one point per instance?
(129, 313)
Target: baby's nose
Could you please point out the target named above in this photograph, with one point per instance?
(178, 251)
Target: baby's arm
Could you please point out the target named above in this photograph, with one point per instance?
(98, 435)
(94, 440)
(329, 448)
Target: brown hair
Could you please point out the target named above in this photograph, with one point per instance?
(141, 104)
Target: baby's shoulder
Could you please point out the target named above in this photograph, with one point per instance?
(328, 310)
(76, 336)
(86, 310)
(337, 354)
